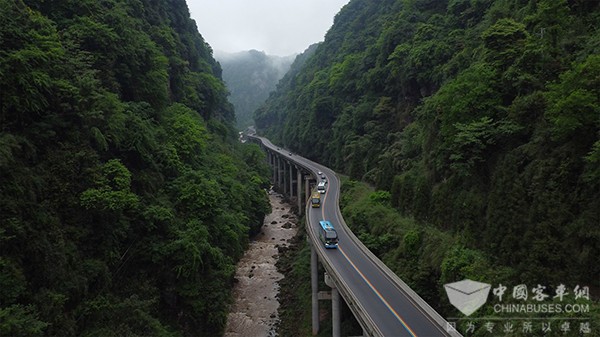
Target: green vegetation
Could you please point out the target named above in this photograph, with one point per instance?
(426, 258)
(125, 198)
(250, 77)
(478, 117)
(295, 288)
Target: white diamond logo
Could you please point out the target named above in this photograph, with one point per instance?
(467, 295)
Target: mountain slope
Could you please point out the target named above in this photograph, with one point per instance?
(250, 76)
(125, 198)
(480, 117)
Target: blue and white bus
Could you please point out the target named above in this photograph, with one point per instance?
(328, 235)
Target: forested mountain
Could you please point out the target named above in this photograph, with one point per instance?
(479, 117)
(250, 76)
(125, 199)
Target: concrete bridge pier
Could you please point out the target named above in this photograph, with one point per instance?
(291, 181)
(314, 284)
(335, 312)
(335, 307)
(286, 174)
(279, 173)
(299, 189)
(273, 167)
(306, 187)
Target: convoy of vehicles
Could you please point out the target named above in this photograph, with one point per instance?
(328, 235)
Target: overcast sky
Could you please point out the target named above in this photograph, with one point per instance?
(277, 27)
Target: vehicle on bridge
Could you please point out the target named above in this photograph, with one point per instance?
(321, 187)
(315, 200)
(328, 235)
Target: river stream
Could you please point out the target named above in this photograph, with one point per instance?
(254, 311)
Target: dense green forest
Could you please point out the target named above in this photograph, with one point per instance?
(250, 76)
(125, 198)
(478, 117)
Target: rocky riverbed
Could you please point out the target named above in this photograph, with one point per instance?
(254, 311)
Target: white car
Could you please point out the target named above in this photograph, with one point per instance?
(321, 187)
